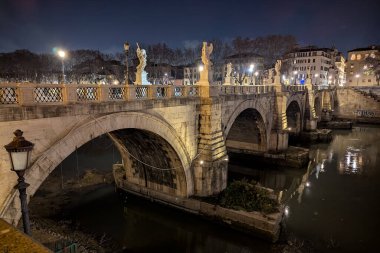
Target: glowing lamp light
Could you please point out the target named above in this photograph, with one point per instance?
(295, 72)
(256, 73)
(201, 162)
(115, 82)
(308, 184)
(61, 53)
(357, 75)
(316, 75)
(200, 68)
(287, 211)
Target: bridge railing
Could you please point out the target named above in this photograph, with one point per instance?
(245, 89)
(27, 93)
(31, 94)
(293, 88)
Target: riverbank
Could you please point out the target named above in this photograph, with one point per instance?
(48, 209)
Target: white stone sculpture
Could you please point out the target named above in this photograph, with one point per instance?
(206, 52)
(141, 74)
(277, 77)
(227, 79)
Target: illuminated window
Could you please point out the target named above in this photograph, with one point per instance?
(373, 55)
(353, 58)
(359, 56)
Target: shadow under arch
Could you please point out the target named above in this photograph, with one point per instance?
(294, 118)
(92, 128)
(247, 133)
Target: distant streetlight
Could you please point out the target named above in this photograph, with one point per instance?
(357, 79)
(200, 68)
(19, 152)
(295, 72)
(62, 55)
(315, 78)
(126, 50)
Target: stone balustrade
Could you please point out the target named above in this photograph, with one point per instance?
(294, 88)
(28, 94)
(32, 94)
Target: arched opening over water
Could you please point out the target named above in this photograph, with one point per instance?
(293, 116)
(247, 134)
(317, 107)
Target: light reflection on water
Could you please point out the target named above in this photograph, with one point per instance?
(334, 199)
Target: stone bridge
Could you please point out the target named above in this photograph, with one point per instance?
(172, 139)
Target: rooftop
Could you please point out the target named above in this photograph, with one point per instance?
(373, 47)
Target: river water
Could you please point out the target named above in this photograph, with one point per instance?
(331, 206)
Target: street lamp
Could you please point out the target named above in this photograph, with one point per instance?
(126, 50)
(295, 73)
(357, 79)
(256, 75)
(315, 78)
(62, 55)
(19, 152)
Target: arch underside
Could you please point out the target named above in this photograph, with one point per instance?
(150, 161)
(293, 116)
(247, 133)
(165, 136)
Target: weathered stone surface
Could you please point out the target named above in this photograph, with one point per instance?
(195, 127)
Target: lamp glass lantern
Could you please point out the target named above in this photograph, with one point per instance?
(19, 152)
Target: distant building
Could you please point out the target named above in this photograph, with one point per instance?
(247, 68)
(241, 66)
(191, 74)
(326, 66)
(358, 69)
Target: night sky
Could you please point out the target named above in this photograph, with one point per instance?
(40, 25)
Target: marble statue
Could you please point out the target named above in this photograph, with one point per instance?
(206, 52)
(141, 74)
(277, 67)
(227, 79)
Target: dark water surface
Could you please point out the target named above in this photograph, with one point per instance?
(333, 205)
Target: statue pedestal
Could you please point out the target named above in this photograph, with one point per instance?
(141, 78)
(144, 79)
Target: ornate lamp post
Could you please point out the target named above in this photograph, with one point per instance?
(19, 152)
(126, 50)
(62, 55)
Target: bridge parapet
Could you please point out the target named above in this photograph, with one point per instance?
(34, 94)
(245, 89)
(293, 88)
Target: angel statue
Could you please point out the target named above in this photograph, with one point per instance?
(277, 67)
(206, 52)
(141, 54)
(141, 74)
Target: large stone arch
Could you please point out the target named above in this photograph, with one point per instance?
(294, 120)
(317, 105)
(262, 106)
(93, 127)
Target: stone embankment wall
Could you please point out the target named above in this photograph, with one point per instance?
(357, 106)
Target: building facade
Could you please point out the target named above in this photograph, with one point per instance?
(326, 66)
(359, 66)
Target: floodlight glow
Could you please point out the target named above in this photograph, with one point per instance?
(61, 53)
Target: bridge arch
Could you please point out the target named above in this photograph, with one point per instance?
(318, 106)
(250, 118)
(93, 127)
(294, 115)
